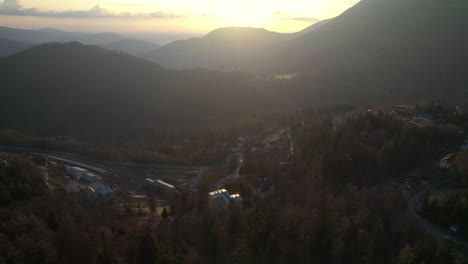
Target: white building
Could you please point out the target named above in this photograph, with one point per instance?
(162, 186)
(98, 189)
(448, 161)
(3, 163)
(89, 176)
(237, 200)
(221, 199)
(81, 174)
(76, 172)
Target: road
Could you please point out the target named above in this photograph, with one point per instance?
(439, 234)
(234, 175)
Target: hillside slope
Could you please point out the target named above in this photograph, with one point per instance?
(131, 46)
(77, 89)
(221, 49)
(401, 47)
(9, 47)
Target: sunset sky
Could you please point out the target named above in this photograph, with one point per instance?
(168, 16)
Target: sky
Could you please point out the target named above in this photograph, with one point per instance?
(167, 16)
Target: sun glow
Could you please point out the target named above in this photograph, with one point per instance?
(196, 16)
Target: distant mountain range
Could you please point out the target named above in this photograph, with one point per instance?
(221, 49)
(78, 89)
(26, 38)
(378, 51)
(379, 35)
(8, 47)
(131, 46)
(228, 49)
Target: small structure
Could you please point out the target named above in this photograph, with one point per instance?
(161, 186)
(237, 200)
(455, 228)
(406, 110)
(448, 161)
(265, 188)
(81, 174)
(69, 185)
(89, 176)
(460, 110)
(98, 189)
(3, 163)
(220, 199)
(76, 172)
(423, 119)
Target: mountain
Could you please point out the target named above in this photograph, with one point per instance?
(131, 46)
(221, 49)
(38, 36)
(100, 38)
(9, 47)
(86, 90)
(401, 47)
(309, 29)
(398, 34)
(111, 41)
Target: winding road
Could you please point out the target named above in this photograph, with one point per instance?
(439, 234)
(232, 176)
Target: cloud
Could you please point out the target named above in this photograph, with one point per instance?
(14, 8)
(11, 5)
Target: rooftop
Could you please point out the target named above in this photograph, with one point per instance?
(222, 193)
(236, 198)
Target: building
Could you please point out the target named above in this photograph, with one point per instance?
(220, 199)
(237, 200)
(265, 188)
(98, 189)
(448, 161)
(69, 185)
(455, 228)
(407, 110)
(3, 163)
(81, 174)
(161, 185)
(76, 172)
(423, 119)
(89, 176)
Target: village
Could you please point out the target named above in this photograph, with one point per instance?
(150, 192)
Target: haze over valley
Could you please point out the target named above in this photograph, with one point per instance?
(234, 131)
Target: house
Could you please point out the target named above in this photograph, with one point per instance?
(220, 199)
(98, 189)
(406, 110)
(69, 185)
(241, 139)
(423, 119)
(89, 176)
(455, 228)
(3, 163)
(237, 200)
(81, 174)
(75, 172)
(265, 188)
(162, 186)
(236, 149)
(448, 161)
